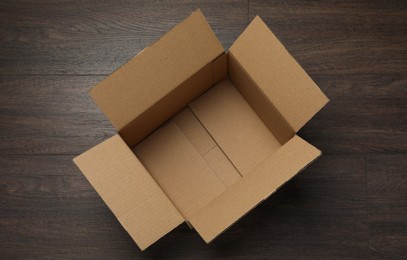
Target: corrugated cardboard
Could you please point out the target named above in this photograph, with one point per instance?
(235, 126)
(129, 190)
(204, 135)
(253, 188)
(179, 169)
(141, 90)
(259, 101)
(202, 141)
(277, 74)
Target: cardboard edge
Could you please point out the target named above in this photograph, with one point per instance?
(217, 49)
(245, 195)
(220, 68)
(322, 97)
(255, 206)
(143, 247)
(133, 135)
(92, 89)
(126, 217)
(284, 131)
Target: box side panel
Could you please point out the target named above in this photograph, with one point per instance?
(259, 101)
(168, 106)
(253, 188)
(277, 73)
(179, 169)
(157, 70)
(235, 126)
(220, 68)
(129, 191)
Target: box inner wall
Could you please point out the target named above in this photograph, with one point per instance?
(206, 148)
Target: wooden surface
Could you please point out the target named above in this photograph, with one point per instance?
(351, 203)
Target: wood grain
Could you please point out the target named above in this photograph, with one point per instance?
(387, 196)
(86, 37)
(340, 37)
(366, 115)
(356, 52)
(49, 210)
(50, 115)
(351, 203)
(55, 115)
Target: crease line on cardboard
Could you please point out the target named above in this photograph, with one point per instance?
(78, 162)
(279, 114)
(270, 46)
(228, 227)
(158, 185)
(130, 124)
(282, 152)
(203, 155)
(217, 145)
(211, 149)
(303, 168)
(141, 51)
(188, 138)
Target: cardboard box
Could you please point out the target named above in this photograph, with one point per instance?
(203, 136)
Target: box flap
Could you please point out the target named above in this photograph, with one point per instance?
(157, 70)
(130, 192)
(179, 169)
(203, 142)
(222, 110)
(277, 74)
(254, 187)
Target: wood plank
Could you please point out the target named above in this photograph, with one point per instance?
(387, 198)
(82, 37)
(49, 210)
(340, 37)
(366, 114)
(50, 115)
(319, 214)
(55, 115)
(354, 50)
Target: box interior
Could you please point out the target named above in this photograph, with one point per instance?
(209, 145)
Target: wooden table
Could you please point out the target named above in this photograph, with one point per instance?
(351, 203)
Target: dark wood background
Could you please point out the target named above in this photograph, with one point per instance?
(351, 203)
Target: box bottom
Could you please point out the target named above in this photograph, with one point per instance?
(206, 148)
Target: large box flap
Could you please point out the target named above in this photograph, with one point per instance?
(254, 187)
(157, 70)
(130, 192)
(277, 74)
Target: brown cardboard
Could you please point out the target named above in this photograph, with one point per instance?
(213, 133)
(259, 101)
(277, 74)
(253, 188)
(194, 131)
(130, 192)
(179, 169)
(138, 87)
(222, 166)
(202, 141)
(235, 126)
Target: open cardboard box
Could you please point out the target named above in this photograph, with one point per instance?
(203, 135)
